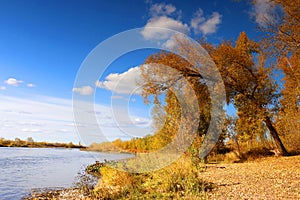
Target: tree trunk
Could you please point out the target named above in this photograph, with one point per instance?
(275, 136)
(239, 154)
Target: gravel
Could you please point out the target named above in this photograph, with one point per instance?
(267, 178)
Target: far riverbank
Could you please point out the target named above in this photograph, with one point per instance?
(29, 143)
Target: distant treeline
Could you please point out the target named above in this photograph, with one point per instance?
(146, 144)
(119, 146)
(32, 144)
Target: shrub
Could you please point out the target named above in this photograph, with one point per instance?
(179, 180)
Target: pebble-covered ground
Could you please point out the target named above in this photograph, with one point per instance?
(61, 194)
(268, 178)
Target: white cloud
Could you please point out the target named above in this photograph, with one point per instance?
(115, 96)
(84, 90)
(41, 124)
(205, 26)
(263, 11)
(210, 26)
(30, 85)
(159, 9)
(165, 23)
(63, 130)
(13, 81)
(171, 43)
(124, 83)
(53, 121)
(26, 130)
(2, 88)
(140, 121)
(197, 20)
(160, 18)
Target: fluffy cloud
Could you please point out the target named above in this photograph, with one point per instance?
(30, 85)
(161, 18)
(84, 90)
(263, 11)
(171, 43)
(163, 22)
(123, 83)
(210, 26)
(162, 9)
(53, 120)
(197, 19)
(13, 81)
(2, 88)
(140, 121)
(205, 26)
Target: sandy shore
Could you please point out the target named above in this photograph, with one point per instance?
(57, 194)
(269, 178)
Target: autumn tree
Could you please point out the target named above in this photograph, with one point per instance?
(172, 109)
(289, 116)
(166, 120)
(282, 40)
(249, 82)
(282, 28)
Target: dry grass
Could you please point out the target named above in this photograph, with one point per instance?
(178, 181)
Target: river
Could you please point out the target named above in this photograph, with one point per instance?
(24, 169)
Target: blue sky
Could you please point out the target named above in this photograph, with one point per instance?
(43, 45)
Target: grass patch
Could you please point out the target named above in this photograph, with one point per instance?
(180, 180)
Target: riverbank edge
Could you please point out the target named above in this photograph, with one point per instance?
(69, 193)
(55, 193)
(284, 174)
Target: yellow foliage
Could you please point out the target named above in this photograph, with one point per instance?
(179, 180)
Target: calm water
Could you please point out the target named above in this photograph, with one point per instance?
(22, 169)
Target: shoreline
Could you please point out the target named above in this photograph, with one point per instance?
(56, 193)
(73, 192)
(26, 170)
(230, 178)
